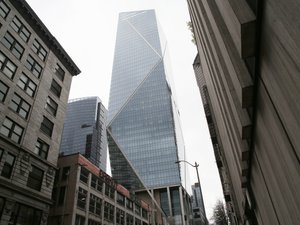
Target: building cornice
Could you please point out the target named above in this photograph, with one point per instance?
(38, 26)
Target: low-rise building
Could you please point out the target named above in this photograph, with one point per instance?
(85, 195)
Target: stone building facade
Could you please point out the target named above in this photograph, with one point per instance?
(35, 79)
(249, 55)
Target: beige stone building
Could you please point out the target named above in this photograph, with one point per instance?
(35, 79)
(248, 73)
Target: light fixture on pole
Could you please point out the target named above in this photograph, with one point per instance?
(196, 166)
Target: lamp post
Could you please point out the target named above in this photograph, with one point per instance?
(196, 166)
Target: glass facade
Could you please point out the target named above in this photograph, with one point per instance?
(85, 130)
(142, 118)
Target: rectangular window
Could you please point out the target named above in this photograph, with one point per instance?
(32, 65)
(62, 194)
(3, 91)
(109, 191)
(19, 27)
(79, 220)
(8, 166)
(4, 10)
(60, 73)
(137, 209)
(129, 219)
(138, 222)
(51, 106)
(47, 126)
(65, 173)
(95, 205)
(2, 203)
(129, 204)
(41, 149)
(23, 214)
(55, 88)
(93, 222)
(84, 175)
(81, 198)
(27, 85)
(39, 50)
(96, 183)
(144, 214)
(20, 106)
(11, 130)
(35, 178)
(108, 211)
(1, 153)
(7, 66)
(11, 43)
(120, 217)
(120, 199)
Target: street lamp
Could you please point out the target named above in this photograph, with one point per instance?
(196, 166)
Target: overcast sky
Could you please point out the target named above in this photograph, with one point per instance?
(87, 31)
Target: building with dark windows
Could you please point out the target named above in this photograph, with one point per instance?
(199, 215)
(83, 194)
(35, 79)
(248, 75)
(85, 130)
(144, 134)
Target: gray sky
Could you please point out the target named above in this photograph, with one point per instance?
(87, 31)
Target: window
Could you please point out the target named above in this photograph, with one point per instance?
(55, 88)
(4, 10)
(20, 106)
(93, 222)
(65, 173)
(120, 199)
(11, 130)
(144, 214)
(27, 85)
(79, 220)
(138, 222)
(109, 191)
(8, 166)
(137, 209)
(41, 149)
(84, 175)
(62, 194)
(60, 73)
(2, 203)
(3, 91)
(39, 50)
(23, 214)
(19, 27)
(96, 183)
(33, 66)
(108, 212)
(129, 204)
(95, 205)
(47, 126)
(129, 219)
(51, 106)
(7, 66)
(120, 217)
(35, 178)
(81, 198)
(11, 43)
(1, 152)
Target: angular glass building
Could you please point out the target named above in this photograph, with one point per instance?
(85, 130)
(144, 133)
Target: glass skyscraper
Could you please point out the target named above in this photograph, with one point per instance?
(144, 134)
(85, 130)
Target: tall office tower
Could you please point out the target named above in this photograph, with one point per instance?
(35, 79)
(249, 54)
(143, 127)
(85, 130)
(199, 214)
